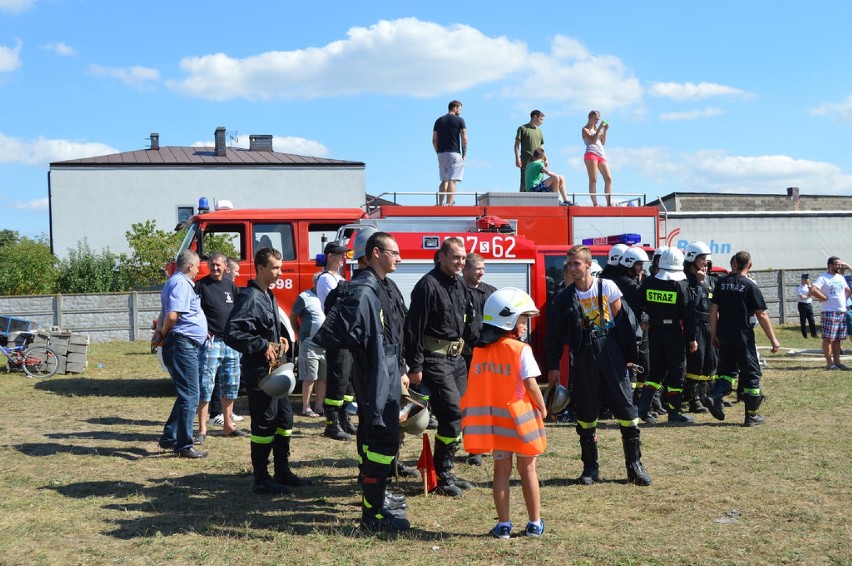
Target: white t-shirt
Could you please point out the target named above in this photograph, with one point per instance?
(834, 287)
(326, 282)
(803, 292)
(528, 368)
(589, 302)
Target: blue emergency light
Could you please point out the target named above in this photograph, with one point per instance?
(627, 239)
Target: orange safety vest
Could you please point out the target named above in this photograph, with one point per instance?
(493, 417)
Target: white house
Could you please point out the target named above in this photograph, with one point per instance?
(99, 198)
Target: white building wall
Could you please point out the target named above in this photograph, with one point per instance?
(101, 203)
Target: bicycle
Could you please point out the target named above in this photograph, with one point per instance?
(35, 361)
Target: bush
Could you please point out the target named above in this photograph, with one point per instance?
(152, 248)
(26, 266)
(85, 271)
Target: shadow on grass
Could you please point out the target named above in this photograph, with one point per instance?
(104, 435)
(88, 387)
(51, 448)
(109, 421)
(218, 504)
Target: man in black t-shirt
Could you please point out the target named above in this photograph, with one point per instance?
(738, 304)
(449, 138)
(218, 361)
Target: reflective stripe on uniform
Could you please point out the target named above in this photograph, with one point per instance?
(284, 432)
(262, 439)
(333, 402)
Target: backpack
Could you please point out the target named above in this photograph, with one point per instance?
(343, 327)
(626, 328)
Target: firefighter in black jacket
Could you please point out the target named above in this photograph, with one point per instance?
(736, 307)
(667, 301)
(700, 364)
(441, 307)
(254, 330)
(582, 317)
(630, 283)
(365, 321)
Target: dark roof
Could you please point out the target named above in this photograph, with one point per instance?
(176, 155)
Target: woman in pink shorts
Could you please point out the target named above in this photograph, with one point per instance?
(595, 158)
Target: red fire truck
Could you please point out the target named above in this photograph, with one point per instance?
(523, 243)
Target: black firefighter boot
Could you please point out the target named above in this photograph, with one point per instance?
(345, 423)
(721, 387)
(633, 456)
(333, 427)
(693, 395)
(644, 404)
(374, 515)
(260, 463)
(281, 463)
(589, 456)
(752, 404)
(448, 483)
(674, 401)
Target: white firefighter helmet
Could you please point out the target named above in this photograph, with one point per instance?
(279, 383)
(632, 255)
(695, 249)
(615, 253)
(671, 266)
(596, 268)
(414, 418)
(359, 248)
(505, 305)
(659, 251)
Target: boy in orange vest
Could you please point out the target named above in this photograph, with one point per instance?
(503, 409)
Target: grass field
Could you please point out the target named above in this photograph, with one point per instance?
(84, 482)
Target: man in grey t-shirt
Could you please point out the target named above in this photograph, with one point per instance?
(306, 317)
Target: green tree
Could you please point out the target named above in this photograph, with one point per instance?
(85, 271)
(151, 249)
(26, 265)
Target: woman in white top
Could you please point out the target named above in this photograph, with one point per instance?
(595, 158)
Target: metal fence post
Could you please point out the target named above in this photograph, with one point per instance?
(134, 314)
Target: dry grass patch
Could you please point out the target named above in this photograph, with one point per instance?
(85, 483)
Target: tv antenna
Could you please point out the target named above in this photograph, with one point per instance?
(234, 137)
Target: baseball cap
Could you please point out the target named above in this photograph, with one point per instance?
(334, 248)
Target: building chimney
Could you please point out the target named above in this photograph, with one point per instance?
(155, 141)
(221, 148)
(793, 193)
(260, 143)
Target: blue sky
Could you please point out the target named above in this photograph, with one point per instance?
(748, 97)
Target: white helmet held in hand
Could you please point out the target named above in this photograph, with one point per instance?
(505, 305)
(695, 249)
(632, 255)
(615, 253)
(279, 383)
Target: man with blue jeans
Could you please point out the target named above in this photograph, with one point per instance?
(181, 330)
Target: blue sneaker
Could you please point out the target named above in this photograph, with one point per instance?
(502, 531)
(534, 530)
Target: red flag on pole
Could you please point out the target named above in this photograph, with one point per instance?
(426, 465)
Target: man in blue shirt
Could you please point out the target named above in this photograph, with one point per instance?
(181, 330)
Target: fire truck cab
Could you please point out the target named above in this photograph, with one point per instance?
(522, 237)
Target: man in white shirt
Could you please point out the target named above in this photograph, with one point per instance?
(806, 311)
(832, 291)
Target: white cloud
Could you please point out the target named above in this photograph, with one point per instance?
(10, 57)
(35, 204)
(136, 76)
(681, 92)
(43, 151)
(707, 171)
(840, 110)
(16, 6)
(401, 57)
(60, 49)
(692, 114)
(282, 144)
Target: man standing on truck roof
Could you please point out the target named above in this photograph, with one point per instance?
(441, 307)
(528, 139)
(449, 138)
(831, 290)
